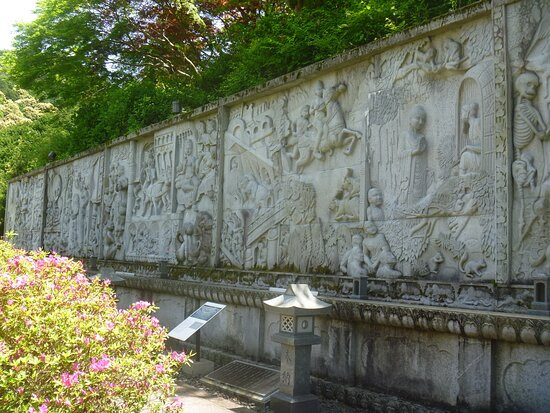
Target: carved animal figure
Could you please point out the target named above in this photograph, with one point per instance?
(435, 262)
(473, 268)
(438, 272)
(330, 123)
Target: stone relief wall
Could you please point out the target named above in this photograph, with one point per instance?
(74, 202)
(529, 57)
(24, 210)
(422, 165)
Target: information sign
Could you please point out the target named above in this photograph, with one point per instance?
(195, 321)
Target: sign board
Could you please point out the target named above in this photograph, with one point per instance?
(195, 321)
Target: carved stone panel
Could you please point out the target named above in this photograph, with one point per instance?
(25, 204)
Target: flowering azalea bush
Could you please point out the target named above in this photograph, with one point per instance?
(64, 346)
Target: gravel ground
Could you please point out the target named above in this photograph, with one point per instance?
(325, 406)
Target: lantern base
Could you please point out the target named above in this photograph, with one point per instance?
(305, 403)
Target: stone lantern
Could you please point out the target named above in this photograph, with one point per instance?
(297, 308)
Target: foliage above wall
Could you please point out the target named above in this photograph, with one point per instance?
(114, 66)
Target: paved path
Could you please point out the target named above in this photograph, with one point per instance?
(199, 401)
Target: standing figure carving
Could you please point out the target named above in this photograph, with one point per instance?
(115, 210)
(187, 180)
(148, 180)
(415, 153)
(529, 127)
(470, 157)
(528, 134)
(300, 144)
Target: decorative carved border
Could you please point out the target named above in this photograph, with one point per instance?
(469, 323)
(503, 134)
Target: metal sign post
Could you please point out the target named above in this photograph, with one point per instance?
(192, 325)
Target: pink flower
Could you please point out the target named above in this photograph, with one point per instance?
(155, 321)
(99, 365)
(20, 390)
(69, 379)
(179, 357)
(140, 305)
(110, 325)
(160, 368)
(81, 279)
(97, 337)
(43, 408)
(20, 281)
(32, 410)
(10, 301)
(176, 403)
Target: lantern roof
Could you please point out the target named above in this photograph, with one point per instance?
(298, 300)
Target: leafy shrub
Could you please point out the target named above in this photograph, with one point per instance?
(64, 346)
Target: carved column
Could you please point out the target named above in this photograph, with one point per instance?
(222, 122)
(130, 192)
(105, 186)
(503, 145)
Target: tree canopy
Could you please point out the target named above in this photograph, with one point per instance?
(113, 66)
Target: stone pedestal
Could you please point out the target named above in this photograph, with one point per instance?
(294, 388)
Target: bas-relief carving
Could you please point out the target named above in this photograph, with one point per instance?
(27, 199)
(345, 203)
(529, 58)
(194, 240)
(173, 195)
(272, 211)
(431, 165)
(115, 210)
(418, 189)
(389, 174)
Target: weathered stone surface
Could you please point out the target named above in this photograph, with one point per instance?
(420, 161)
(388, 161)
